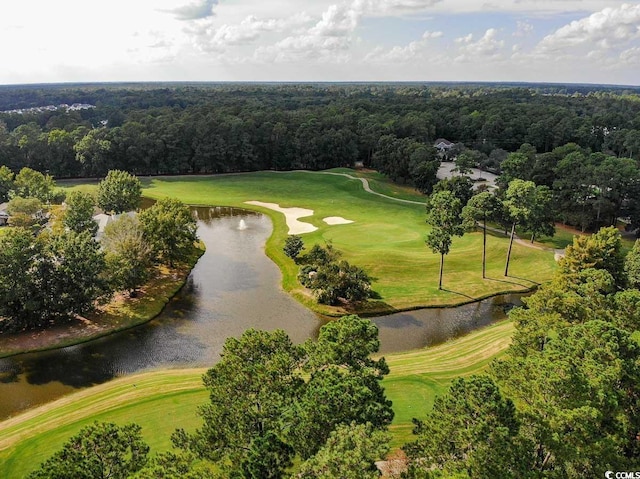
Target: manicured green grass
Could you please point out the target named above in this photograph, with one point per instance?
(382, 184)
(418, 376)
(161, 401)
(386, 238)
(158, 401)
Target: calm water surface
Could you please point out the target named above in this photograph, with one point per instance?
(233, 287)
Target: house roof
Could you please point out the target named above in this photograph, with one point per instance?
(443, 143)
(103, 220)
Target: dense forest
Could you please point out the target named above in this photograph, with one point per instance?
(583, 142)
(182, 128)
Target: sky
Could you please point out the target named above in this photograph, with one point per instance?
(567, 41)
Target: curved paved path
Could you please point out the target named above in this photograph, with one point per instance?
(558, 253)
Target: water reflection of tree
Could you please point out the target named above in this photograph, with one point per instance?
(207, 214)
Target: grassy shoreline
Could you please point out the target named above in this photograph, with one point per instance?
(118, 315)
(162, 400)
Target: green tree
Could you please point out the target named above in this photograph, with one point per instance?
(473, 429)
(72, 273)
(632, 266)
(184, 465)
(541, 216)
(632, 143)
(573, 187)
(348, 342)
(338, 280)
(20, 299)
(465, 162)
(520, 200)
(341, 372)
(25, 212)
(170, 230)
(577, 400)
(423, 175)
(48, 278)
(29, 183)
(443, 214)
(293, 245)
(78, 215)
(102, 450)
(93, 152)
(262, 411)
(481, 207)
(565, 301)
(128, 254)
(256, 379)
(515, 166)
(349, 453)
(118, 192)
(601, 250)
(460, 186)
(6, 183)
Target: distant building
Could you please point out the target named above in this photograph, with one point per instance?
(443, 145)
(103, 220)
(4, 216)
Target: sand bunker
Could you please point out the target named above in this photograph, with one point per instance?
(291, 215)
(336, 220)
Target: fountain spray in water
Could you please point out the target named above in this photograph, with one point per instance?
(242, 225)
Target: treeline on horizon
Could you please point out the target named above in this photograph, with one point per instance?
(239, 127)
(164, 129)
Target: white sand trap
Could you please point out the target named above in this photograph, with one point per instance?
(291, 215)
(336, 220)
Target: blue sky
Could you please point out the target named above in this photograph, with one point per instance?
(580, 41)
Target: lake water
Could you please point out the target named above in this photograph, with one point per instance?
(233, 287)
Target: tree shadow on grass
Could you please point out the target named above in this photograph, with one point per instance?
(525, 279)
(515, 280)
(459, 294)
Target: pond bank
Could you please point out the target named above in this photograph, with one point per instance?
(118, 315)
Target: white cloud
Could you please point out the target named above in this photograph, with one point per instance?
(538, 8)
(245, 39)
(328, 40)
(208, 37)
(312, 48)
(193, 11)
(631, 56)
(486, 48)
(608, 28)
(416, 50)
(392, 7)
(523, 29)
(336, 21)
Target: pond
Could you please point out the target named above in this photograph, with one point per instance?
(233, 287)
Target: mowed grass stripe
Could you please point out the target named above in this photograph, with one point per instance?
(158, 401)
(417, 377)
(161, 401)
